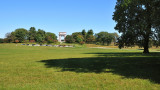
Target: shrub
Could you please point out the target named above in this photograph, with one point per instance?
(16, 41)
(55, 41)
(6, 40)
(1, 40)
(43, 42)
(98, 43)
(32, 41)
(82, 42)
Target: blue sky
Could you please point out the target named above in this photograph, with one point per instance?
(57, 15)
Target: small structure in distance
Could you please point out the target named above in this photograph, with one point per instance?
(62, 34)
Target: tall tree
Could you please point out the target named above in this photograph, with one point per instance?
(32, 33)
(104, 37)
(90, 32)
(50, 37)
(115, 37)
(10, 37)
(84, 34)
(21, 34)
(136, 21)
(90, 37)
(40, 36)
(75, 34)
(80, 38)
(69, 39)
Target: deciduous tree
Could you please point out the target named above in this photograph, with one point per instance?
(137, 20)
(1, 40)
(69, 39)
(104, 37)
(40, 36)
(90, 37)
(84, 34)
(32, 33)
(21, 34)
(50, 37)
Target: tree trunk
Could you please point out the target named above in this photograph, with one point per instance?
(146, 46)
(148, 29)
(146, 50)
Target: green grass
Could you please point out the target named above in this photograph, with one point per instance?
(51, 68)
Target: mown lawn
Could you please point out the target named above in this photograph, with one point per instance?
(51, 68)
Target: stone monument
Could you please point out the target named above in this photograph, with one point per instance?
(62, 34)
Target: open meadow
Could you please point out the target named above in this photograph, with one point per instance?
(78, 68)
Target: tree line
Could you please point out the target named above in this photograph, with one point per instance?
(32, 35)
(22, 35)
(103, 38)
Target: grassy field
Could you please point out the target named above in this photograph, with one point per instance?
(51, 68)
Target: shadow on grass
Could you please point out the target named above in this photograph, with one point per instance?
(144, 66)
(140, 49)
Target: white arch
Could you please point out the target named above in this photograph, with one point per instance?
(62, 34)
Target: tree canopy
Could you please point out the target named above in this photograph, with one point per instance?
(90, 36)
(69, 39)
(1, 40)
(50, 37)
(31, 35)
(138, 21)
(21, 34)
(104, 37)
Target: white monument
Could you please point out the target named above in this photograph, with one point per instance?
(62, 34)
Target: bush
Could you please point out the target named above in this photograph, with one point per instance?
(55, 41)
(1, 40)
(6, 40)
(82, 42)
(32, 41)
(43, 42)
(26, 41)
(50, 41)
(98, 43)
(16, 41)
